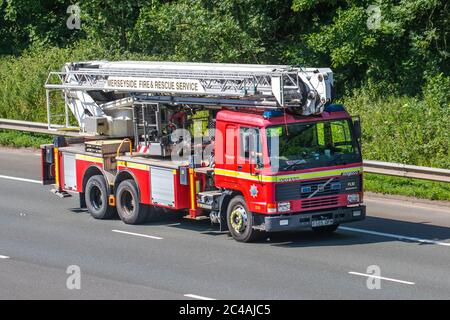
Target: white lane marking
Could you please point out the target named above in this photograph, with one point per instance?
(382, 278)
(137, 234)
(4, 257)
(396, 236)
(194, 296)
(19, 179)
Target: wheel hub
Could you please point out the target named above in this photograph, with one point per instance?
(238, 219)
(127, 202)
(96, 197)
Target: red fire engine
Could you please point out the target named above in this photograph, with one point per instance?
(255, 148)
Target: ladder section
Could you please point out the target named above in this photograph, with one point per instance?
(202, 83)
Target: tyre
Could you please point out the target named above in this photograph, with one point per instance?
(326, 229)
(96, 198)
(130, 210)
(154, 213)
(240, 221)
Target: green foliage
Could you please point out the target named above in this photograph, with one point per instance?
(23, 139)
(22, 94)
(408, 187)
(111, 22)
(186, 30)
(24, 23)
(408, 44)
(404, 129)
(22, 79)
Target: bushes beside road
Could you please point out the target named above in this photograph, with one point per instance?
(410, 130)
(12, 138)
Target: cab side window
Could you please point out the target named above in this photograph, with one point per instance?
(250, 143)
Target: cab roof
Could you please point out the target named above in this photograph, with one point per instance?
(257, 119)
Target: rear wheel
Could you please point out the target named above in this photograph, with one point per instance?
(155, 213)
(326, 229)
(96, 198)
(130, 210)
(240, 221)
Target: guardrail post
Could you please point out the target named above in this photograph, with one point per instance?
(47, 97)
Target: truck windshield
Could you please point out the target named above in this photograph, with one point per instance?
(314, 144)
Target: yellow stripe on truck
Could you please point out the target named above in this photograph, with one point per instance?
(56, 156)
(88, 158)
(133, 165)
(287, 177)
(192, 188)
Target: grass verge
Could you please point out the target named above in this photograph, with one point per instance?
(13, 138)
(407, 187)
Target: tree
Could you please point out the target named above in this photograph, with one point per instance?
(24, 23)
(187, 30)
(111, 22)
(408, 44)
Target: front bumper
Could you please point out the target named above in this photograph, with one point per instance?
(305, 220)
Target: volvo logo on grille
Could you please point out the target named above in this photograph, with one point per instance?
(320, 187)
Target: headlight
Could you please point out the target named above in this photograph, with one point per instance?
(352, 198)
(284, 206)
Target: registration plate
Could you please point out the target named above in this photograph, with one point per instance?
(321, 223)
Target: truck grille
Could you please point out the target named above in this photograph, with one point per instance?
(309, 187)
(326, 201)
(302, 190)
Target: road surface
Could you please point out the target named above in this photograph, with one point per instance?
(42, 235)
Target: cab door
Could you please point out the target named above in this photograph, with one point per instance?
(249, 150)
(226, 160)
(249, 160)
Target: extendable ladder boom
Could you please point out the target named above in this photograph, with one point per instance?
(304, 90)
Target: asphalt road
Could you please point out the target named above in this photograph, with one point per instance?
(42, 235)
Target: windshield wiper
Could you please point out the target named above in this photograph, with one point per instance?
(341, 159)
(293, 165)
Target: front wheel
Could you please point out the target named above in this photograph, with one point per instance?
(240, 221)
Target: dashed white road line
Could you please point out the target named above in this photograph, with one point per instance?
(381, 278)
(3, 257)
(396, 236)
(194, 296)
(20, 179)
(137, 234)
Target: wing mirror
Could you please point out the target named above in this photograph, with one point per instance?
(357, 127)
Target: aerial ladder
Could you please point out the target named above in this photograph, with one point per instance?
(131, 98)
